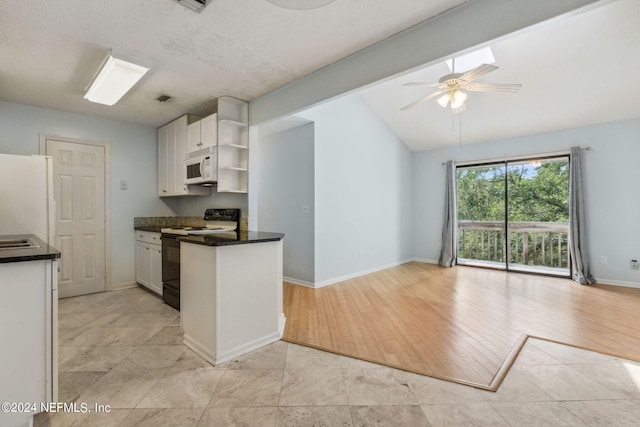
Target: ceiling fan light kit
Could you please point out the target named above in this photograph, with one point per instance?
(452, 87)
(300, 4)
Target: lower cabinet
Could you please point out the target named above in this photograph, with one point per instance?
(149, 260)
(29, 337)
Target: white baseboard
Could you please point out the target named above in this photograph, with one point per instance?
(426, 260)
(233, 353)
(603, 281)
(298, 282)
(226, 356)
(281, 324)
(125, 285)
(198, 349)
(328, 282)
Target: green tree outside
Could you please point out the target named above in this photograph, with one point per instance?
(536, 193)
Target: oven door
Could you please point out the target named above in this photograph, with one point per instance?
(171, 260)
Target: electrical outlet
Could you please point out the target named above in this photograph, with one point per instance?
(123, 185)
(305, 209)
(635, 265)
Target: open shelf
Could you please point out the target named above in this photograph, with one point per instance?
(238, 146)
(232, 123)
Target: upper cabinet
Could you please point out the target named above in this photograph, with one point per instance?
(172, 147)
(233, 145)
(228, 130)
(203, 133)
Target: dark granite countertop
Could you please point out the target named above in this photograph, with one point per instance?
(232, 238)
(28, 254)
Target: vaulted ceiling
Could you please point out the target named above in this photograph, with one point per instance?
(575, 71)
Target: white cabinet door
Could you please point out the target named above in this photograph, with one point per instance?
(172, 173)
(194, 138)
(143, 264)
(163, 165)
(209, 131)
(155, 282)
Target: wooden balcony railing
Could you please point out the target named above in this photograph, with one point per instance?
(529, 243)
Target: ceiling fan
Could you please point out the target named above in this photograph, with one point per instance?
(452, 87)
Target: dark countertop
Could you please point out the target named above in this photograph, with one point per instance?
(28, 254)
(228, 239)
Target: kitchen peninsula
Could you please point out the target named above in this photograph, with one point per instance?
(29, 335)
(231, 296)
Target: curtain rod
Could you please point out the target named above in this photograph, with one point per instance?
(527, 156)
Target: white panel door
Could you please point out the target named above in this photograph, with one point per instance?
(79, 193)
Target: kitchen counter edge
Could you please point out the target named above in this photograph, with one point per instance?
(243, 238)
(44, 252)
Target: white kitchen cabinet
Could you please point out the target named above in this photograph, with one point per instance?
(149, 260)
(203, 133)
(172, 173)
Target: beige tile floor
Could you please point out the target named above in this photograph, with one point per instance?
(124, 349)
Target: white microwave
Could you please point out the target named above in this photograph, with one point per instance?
(202, 167)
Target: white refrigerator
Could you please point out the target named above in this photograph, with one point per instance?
(28, 290)
(26, 196)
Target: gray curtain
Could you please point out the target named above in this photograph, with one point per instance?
(577, 241)
(449, 247)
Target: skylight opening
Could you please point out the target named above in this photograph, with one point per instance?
(471, 60)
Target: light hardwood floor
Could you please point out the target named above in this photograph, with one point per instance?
(462, 324)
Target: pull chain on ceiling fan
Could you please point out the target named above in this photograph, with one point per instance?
(452, 87)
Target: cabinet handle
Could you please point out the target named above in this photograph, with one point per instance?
(147, 248)
(164, 191)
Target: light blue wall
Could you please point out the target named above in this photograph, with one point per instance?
(610, 173)
(133, 158)
(195, 206)
(363, 191)
(285, 184)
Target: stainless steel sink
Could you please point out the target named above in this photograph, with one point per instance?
(8, 244)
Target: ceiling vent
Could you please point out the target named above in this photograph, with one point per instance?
(163, 98)
(195, 5)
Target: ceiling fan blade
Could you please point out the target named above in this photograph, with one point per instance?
(479, 71)
(421, 100)
(493, 87)
(421, 84)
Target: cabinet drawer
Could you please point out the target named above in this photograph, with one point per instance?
(148, 237)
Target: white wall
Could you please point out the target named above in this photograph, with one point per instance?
(610, 173)
(363, 191)
(133, 158)
(285, 177)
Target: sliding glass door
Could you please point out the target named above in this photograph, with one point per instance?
(514, 215)
(481, 215)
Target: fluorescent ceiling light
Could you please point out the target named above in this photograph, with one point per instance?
(117, 75)
(300, 4)
(471, 60)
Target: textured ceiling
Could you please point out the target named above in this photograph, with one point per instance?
(575, 71)
(50, 50)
